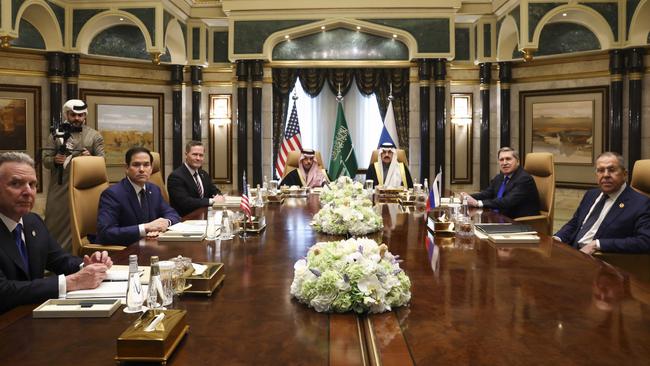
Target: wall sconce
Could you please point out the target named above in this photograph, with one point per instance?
(461, 109)
(220, 109)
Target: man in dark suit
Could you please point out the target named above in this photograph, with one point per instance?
(27, 249)
(189, 186)
(611, 218)
(513, 191)
(133, 208)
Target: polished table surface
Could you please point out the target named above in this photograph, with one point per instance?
(472, 303)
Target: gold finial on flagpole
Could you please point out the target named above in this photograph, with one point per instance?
(339, 97)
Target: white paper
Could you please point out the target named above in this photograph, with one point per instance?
(104, 290)
(199, 269)
(189, 227)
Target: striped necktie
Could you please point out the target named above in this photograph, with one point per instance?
(199, 186)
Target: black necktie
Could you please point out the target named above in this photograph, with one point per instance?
(595, 213)
(22, 248)
(144, 204)
(199, 187)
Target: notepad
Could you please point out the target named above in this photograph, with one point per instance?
(492, 229)
(115, 289)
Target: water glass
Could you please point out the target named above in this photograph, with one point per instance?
(178, 276)
(166, 269)
(369, 184)
(464, 227)
(417, 189)
(273, 187)
(210, 227)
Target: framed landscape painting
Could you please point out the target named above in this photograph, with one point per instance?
(570, 124)
(125, 119)
(20, 122)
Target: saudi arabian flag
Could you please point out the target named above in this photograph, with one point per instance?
(343, 161)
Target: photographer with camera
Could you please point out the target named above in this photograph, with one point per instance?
(71, 139)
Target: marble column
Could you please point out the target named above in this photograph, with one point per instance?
(242, 120)
(72, 76)
(55, 67)
(257, 72)
(197, 78)
(505, 78)
(177, 114)
(424, 76)
(485, 76)
(635, 95)
(439, 75)
(616, 69)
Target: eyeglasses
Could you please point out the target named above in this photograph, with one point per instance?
(609, 169)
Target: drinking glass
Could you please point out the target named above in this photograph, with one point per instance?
(166, 269)
(369, 184)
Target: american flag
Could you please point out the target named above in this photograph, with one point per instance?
(290, 143)
(245, 205)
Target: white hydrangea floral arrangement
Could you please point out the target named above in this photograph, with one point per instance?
(350, 275)
(342, 188)
(347, 216)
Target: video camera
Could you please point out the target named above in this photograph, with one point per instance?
(62, 143)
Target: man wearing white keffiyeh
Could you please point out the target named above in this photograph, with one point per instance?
(308, 174)
(387, 171)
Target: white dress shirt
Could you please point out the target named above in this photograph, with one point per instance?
(589, 235)
(198, 178)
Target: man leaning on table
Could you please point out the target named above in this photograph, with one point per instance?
(133, 208)
(513, 191)
(612, 217)
(189, 186)
(27, 249)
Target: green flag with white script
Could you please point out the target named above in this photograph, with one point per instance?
(343, 161)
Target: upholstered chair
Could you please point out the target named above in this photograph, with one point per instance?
(88, 179)
(293, 160)
(156, 176)
(641, 177)
(541, 166)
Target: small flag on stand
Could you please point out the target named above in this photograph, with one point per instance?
(434, 193)
(245, 204)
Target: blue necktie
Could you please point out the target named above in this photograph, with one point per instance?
(144, 204)
(595, 213)
(22, 248)
(502, 188)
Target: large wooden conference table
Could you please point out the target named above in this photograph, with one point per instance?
(472, 304)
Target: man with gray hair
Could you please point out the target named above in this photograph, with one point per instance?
(612, 217)
(27, 249)
(73, 138)
(512, 192)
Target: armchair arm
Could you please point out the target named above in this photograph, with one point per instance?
(539, 222)
(89, 248)
(532, 218)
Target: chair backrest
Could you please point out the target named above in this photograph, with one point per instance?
(641, 177)
(88, 179)
(401, 157)
(542, 167)
(156, 176)
(293, 160)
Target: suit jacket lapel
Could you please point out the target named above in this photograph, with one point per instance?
(10, 248)
(617, 209)
(134, 202)
(190, 180)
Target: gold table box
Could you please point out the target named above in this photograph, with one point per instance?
(208, 281)
(134, 344)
